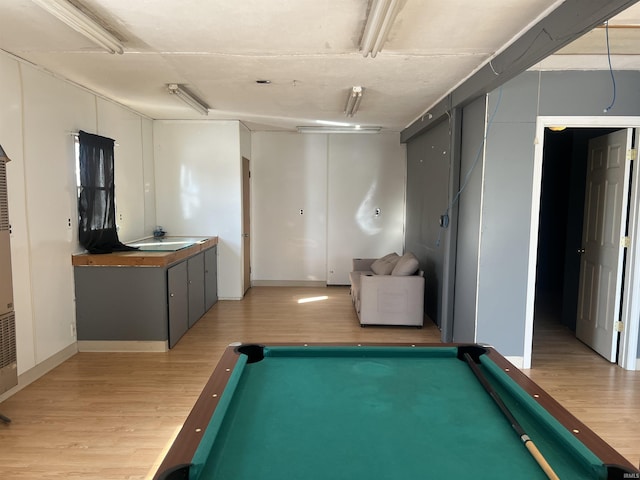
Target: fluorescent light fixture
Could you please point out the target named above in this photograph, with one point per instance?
(353, 101)
(3, 156)
(333, 124)
(355, 129)
(381, 16)
(82, 23)
(189, 98)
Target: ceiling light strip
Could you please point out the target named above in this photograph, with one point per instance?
(81, 23)
(353, 101)
(188, 98)
(379, 21)
(356, 129)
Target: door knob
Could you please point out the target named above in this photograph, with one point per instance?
(580, 251)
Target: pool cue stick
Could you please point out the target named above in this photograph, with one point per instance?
(531, 447)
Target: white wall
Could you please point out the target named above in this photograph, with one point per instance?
(185, 176)
(11, 139)
(245, 142)
(366, 173)
(338, 181)
(289, 174)
(198, 171)
(52, 108)
(134, 175)
(38, 112)
(149, 177)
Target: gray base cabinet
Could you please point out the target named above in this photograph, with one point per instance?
(195, 274)
(145, 303)
(178, 288)
(121, 303)
(210, 277)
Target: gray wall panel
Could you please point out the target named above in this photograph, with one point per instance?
(506, 215)
(428, 167)
(504, 245)
(517, 99)
(587, 93)
(508, 186)
(506, 193)
(469, 223)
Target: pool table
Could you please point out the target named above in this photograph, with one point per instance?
(379, 412)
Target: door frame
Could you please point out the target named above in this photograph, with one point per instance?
(246, 224)
(631, 286)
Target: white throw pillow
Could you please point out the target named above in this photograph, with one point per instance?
(407, 265)
(385, 265)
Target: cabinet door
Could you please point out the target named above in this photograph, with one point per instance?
(210, 277)
(178, 302)
(195, 267)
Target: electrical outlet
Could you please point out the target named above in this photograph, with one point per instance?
(69, 223)
(73, 330)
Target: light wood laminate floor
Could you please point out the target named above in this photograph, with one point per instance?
(112, 415)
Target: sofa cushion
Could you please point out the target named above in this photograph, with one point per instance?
(407, 265)
(385, 265)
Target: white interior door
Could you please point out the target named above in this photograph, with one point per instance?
(606, 198)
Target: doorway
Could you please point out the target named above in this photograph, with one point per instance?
(564, 170)
(559, 192)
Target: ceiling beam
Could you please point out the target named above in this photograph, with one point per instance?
(569, 21)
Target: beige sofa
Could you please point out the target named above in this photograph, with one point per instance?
(388, 290)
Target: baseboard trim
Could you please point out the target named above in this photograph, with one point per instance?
(517, 361)
(288, 283)
(637, 364)
(33, 374)
(122, 346)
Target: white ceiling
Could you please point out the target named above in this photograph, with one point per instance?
(309, 49)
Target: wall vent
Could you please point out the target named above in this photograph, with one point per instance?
(4, 198)
(8, 359)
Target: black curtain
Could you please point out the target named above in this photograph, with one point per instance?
(96, 200)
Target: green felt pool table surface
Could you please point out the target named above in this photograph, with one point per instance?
(379, 412)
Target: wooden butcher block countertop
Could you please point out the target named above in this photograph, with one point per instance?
(154, 252)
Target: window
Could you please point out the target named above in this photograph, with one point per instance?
(96, 195)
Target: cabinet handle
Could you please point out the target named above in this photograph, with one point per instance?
(171, 294)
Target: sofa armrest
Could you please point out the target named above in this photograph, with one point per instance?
(362, 264)
(391, 300)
